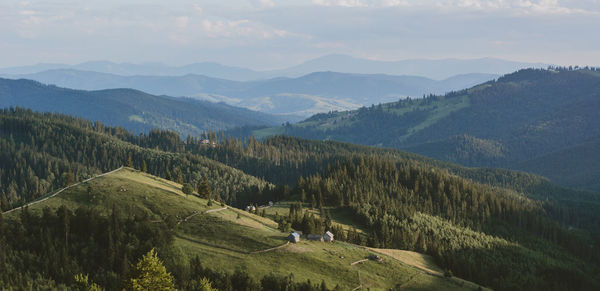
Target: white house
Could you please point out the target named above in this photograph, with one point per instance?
(328, 237)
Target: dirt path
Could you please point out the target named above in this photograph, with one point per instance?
(359, 261)
(215, 210)
(63, 189)
(198, 212)
(210, 245)
(270, 249)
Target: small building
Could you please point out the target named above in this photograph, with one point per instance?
(250, 208)
(298, 232)
(204, 141)
(293, 237)
(315, 237)
(270, 203)
(328, 237)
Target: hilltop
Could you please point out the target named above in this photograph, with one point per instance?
(227, 239)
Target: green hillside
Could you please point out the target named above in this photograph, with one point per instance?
(226, 239)
(502, 123)
(134, 110)
(500, 228)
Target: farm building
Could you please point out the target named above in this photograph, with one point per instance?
(315, 237)
(299, 232)
(328, 237)
(294, 237)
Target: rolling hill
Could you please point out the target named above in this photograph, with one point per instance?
(227, 239)
(305, 95)
(134, 110)
(521, 116)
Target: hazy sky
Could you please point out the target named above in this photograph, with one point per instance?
(263, 34)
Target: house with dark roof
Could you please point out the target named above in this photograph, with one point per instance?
(293, 237)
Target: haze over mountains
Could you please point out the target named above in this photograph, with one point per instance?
(429, 68)
(134, 110)
(302, 96)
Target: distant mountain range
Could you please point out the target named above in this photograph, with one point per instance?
(433, 69)
(544, 121)
(303, 96)
(132, 109)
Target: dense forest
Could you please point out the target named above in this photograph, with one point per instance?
(504, 229)
(515, 121)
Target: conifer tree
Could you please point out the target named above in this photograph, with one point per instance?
(4, 203)
(151, 274)
(129, 161)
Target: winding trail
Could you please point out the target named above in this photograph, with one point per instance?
(198, 212)
(270, 249)
(63, 189)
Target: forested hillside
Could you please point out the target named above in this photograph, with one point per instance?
(131, 109)
(503, 229)
(43, 152)
(503, 123)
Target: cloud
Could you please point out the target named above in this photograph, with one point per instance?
(182, 22)
(516, 7)
(340, 3)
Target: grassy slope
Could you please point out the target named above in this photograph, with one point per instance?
(224, 240)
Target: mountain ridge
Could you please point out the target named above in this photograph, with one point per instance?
(130, 108)
(499, 123)
(430, 68)
(306, 95)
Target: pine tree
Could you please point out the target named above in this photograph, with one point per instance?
(151, 274)
(179, 177)
(129, 161)
(204, 189)
(204, 285)
(69, 179)
(4, 206)
(83, 283)
(144, 166)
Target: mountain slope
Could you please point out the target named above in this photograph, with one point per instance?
(305, 95)
(227, 239)
(134, 110)
(504, 237)
(519, 117)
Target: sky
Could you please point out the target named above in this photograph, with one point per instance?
(270, 34)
